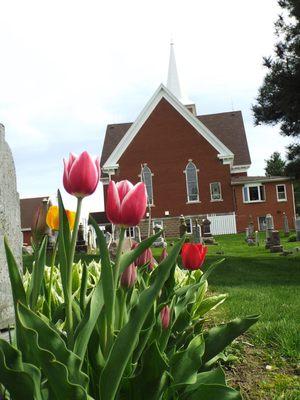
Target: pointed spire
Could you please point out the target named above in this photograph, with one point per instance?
(173, 81)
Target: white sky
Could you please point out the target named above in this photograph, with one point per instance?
(68, 68)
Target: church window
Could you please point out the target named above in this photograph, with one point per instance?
(147, 179)
(191, 176)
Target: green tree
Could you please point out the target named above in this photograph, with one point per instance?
(275, 165)
(278, 100)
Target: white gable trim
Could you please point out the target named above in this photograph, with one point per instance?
(162, 92)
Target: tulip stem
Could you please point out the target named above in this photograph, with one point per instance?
(118, 255)
(69, 310)
(53, 258)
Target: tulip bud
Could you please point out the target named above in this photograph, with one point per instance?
(144, 258)
(193, 255)
(163, 255)
(126, 204)
(129, 276)
(39, 227)
(165, 317)
(81, 174)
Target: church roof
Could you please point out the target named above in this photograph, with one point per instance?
(228, 127)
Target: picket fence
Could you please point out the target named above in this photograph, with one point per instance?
(222, 224)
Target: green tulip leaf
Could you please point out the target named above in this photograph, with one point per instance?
(37, 275)
(49, 351)
(186, 363)
(214, 392)
(217, 338)
(85, 328)
(64, 243)
(208, 304)
(127, 339)
(107, 279)
(23, 381)
(215, 376)
(130, 256)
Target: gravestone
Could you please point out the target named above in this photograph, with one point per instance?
(286, 228)
(81, 245)
(160, 241)
(182, 226)
(197, 232)
(251, 235)
(206, 232)
(137, 234)
(269, 229)
(297, 226)
(10, 227)
(275, 246)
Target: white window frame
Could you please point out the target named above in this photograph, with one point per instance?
(155, 222)
(186, 183)
(285, 196)
(141, 178)
(131, 232)
(211, 194)
(248, 192)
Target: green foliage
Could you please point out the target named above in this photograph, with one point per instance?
(117, 348)
(275, 165)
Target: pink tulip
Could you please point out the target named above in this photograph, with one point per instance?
(129, 276)
(165, 317)
(81, 174)
(126, 204)
(144, 258)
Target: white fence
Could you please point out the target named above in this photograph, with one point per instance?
(222, 224)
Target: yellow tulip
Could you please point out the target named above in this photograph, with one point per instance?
(52, 218)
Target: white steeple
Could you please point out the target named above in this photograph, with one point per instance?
(173, 81)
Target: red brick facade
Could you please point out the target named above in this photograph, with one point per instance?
(166, 142)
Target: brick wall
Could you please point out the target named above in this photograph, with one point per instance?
(270, 206)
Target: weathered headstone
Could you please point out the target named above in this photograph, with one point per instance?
(206, 232)
(182, 226)
(269, 229)
(137, 234)
(160, 241)
(251, 234)
(81, 245)
(275, 246)
(286, 228)
(256, 238)
(197, 232)
(297, 225)
(10, 227)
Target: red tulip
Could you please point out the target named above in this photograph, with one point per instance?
(165, 317)
(81, 174)
(193, 255)
(126, 204)
(129, 276)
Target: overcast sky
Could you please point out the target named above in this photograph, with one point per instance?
(68, 68)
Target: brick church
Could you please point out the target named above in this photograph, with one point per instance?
(193, 165)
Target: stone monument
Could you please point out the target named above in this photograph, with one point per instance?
(137, 234)
(297, 226)
(269, 229)
(197, 232)
(160, 241)
(286, 228)
(182, 226)
(207, 236)
(250, 232)
(81, 245)
(275, 246)
(10, 226)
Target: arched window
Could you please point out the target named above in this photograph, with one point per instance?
(147, 179)
(191, 176)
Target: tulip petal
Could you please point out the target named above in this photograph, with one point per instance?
(83, 175)
(192, 256)
(66, 182)
(134, 205)
(112, 207)
(123, 188)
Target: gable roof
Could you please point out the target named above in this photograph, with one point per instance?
(227, 127)
(28, 208)
(162, 92)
